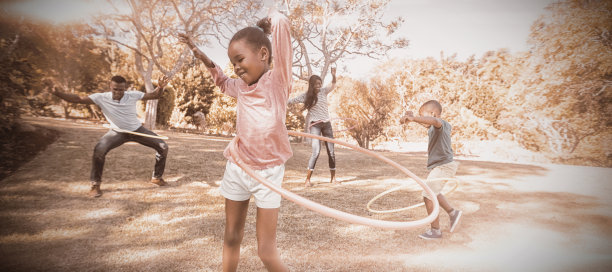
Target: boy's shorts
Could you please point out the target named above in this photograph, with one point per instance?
(446, 170)
(237, 185)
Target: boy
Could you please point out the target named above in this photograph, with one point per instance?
(439, 161)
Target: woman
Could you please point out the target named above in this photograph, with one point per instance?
(315, 101)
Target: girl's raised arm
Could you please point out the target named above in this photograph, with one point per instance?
(226, 84)
(282, 52)
(196, 51)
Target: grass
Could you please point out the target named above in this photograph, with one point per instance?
(48, 223)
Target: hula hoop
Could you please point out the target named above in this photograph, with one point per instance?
(141, 134)
(409, 207)
(338, 118)
(340, 215)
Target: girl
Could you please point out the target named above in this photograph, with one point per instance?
(315, 101)
(263, 143)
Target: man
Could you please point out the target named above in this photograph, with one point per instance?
(119, 108)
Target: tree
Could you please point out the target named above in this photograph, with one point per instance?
(150, 29)
(195, 93)
(370, 105)
(33, 52)
(325, 32)
(222, 117)
(295, 113)
(18, 72)
(567, 82)
(77, 63)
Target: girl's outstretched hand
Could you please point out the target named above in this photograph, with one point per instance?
(186, 39)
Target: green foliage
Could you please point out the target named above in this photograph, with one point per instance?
(566, 83)
(471, 103)
(222, 115)
(78, 64)
(31, 52)
(295, 113)
(195, 92)
(18, 72)
(554, 99)
(370, 104)
(165, 106)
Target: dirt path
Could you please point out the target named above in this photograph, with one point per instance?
(518, 217)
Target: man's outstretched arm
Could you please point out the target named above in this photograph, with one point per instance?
(72, 98)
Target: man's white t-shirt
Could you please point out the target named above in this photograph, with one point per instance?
(120, 114)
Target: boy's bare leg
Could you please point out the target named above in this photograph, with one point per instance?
(235, 217)
(454, 214)
(266, 239)
(444, 204)
(429, 206)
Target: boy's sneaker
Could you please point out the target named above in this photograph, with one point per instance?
(455, 216)
(159, 181)
(95, 191)
(431, 234)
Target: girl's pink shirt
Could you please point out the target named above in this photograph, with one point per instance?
(261, 108)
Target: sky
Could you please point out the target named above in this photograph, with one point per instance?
(464, 27)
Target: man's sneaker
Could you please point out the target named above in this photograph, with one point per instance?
(159, 181)
(95, 191)
(431, 234)
(455, 217)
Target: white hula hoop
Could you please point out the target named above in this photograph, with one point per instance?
(340, 215)
(368, 206)
(141, 134)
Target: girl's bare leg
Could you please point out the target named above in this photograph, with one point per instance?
(266, 239)
(235, 217)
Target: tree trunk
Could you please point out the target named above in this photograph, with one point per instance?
(66, 111)
(151, 109)
(150, 114)
(360, 140)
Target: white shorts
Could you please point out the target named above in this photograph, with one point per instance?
(447, 170)
(237, 185)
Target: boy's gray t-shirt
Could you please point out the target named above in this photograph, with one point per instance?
(439, 149)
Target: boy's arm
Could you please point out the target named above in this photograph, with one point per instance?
(157, 93)
(196, 51)
(425, 120)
